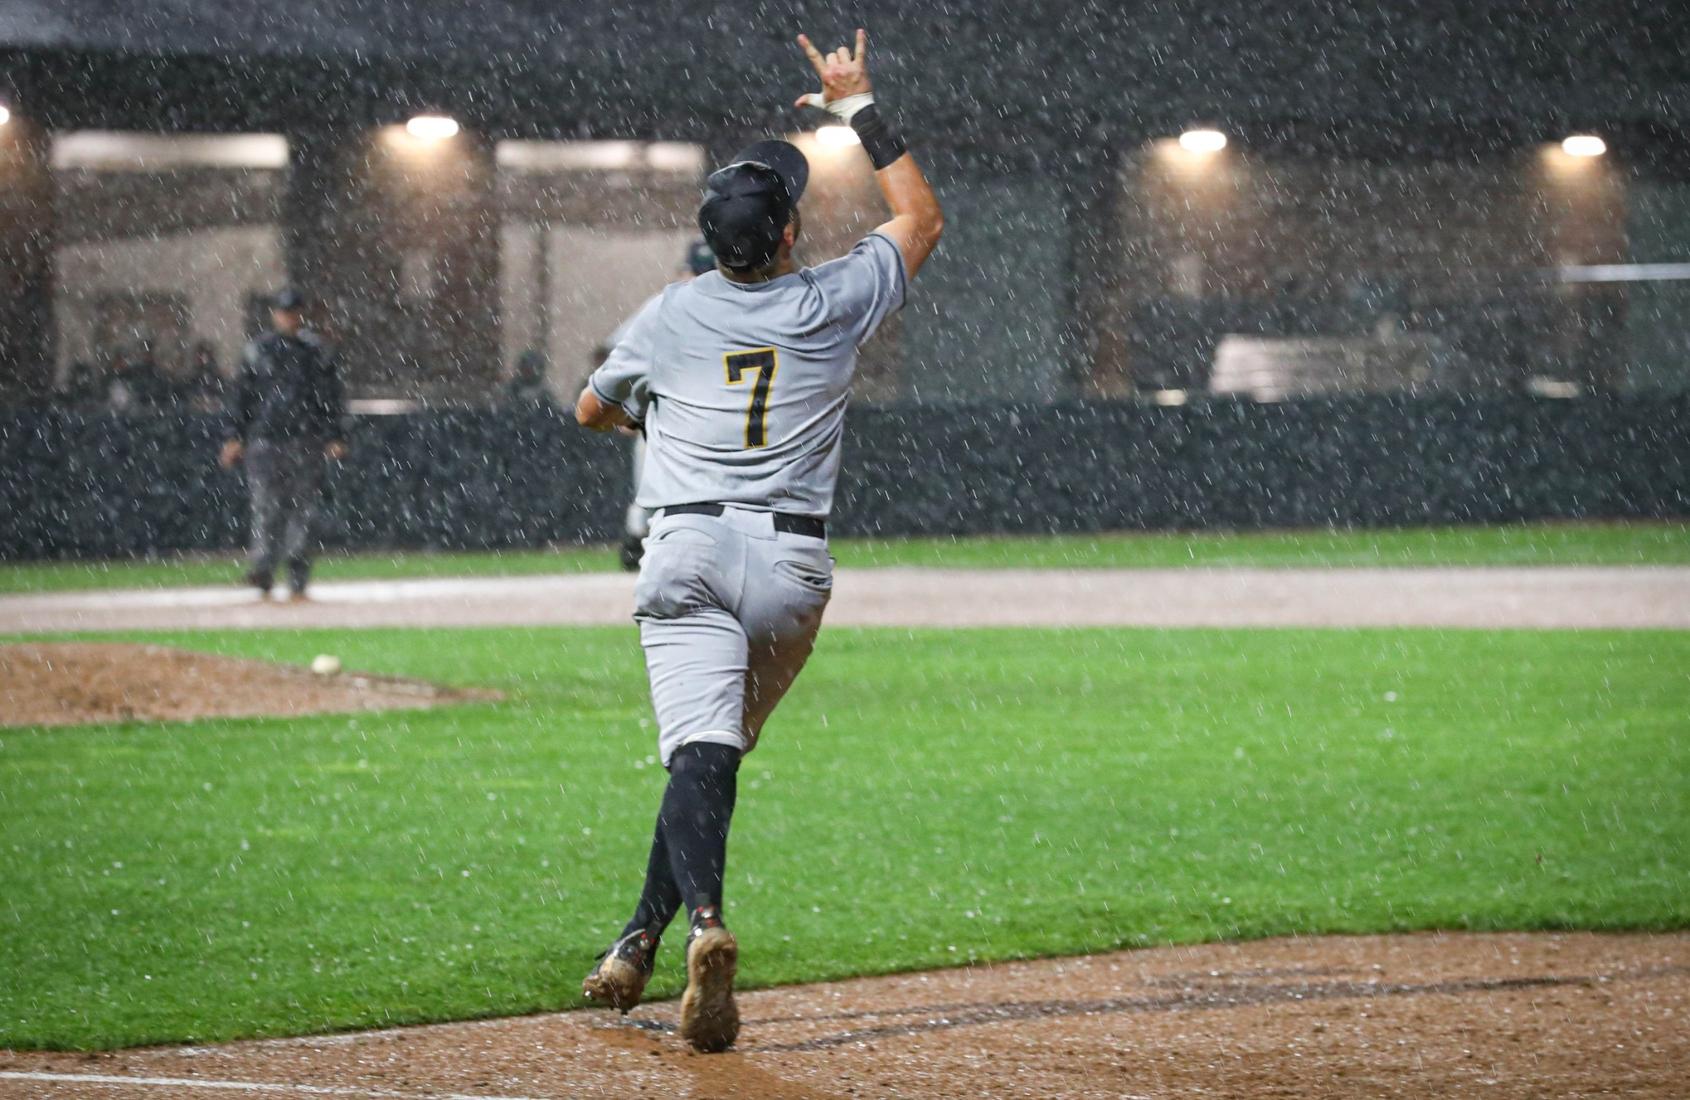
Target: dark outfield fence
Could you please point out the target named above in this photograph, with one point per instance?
(100, 486)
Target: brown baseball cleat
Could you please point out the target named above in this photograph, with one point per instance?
(709, 1017)
(622, 972)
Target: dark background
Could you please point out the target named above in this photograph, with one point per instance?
(1013, 73)
(481, 478)
(1023, 111)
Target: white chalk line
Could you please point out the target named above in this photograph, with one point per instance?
(332, 1039)
(242, 1086)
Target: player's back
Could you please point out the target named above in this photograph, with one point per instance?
(744, 386)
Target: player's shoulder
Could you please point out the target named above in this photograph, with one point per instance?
(655, 307)
(681, 306)
(874, 247)
(709, 284)
(680, 288)
(872, 272)
(874, 253)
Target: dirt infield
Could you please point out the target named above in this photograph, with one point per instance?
(1430, 1015)
(71, 683)
(1482, 598)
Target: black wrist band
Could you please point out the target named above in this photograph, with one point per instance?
(880, 141)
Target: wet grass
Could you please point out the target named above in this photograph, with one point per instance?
(1522, 544)
(924, 798)
(202, 569)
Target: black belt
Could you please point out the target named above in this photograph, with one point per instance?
(808, 526)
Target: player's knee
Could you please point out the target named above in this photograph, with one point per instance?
(704, 762)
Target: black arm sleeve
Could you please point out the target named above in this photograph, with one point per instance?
(880, 141)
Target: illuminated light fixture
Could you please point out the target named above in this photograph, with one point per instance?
(432, 127)
(5, 115)
(1539, 386)
(837, 137)
(1169, 398)
(1584, 145)
(1202, 141)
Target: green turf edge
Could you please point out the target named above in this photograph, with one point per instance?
(1656, 543)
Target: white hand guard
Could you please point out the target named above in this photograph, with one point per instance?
(842, 108)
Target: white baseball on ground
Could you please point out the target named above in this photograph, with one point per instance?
(325, 664)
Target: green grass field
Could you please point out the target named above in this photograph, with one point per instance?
(924, 798)
(1525, 544)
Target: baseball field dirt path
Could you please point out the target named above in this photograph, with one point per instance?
(1495, 1016)
(1569, 597)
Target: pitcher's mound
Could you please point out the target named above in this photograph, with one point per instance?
(76, 683)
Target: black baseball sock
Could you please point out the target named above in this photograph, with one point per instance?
(689, 848)
(697, 809)
(661, 897)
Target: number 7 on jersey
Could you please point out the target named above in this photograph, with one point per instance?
(765, 362)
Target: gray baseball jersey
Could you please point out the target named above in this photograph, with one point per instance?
(636, 521)
(742, 387)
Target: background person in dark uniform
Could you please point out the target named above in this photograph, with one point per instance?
(202, 386)
(286, 408)
(527, 382)
(136, 384)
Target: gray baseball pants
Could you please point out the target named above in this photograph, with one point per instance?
(728, 610)
(286, 482)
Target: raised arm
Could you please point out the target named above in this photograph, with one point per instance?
(917, 222)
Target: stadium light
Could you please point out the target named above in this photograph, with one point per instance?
(432, 127)
(837, 137)
(1202, 141)
(5, 114)
(1584, 145)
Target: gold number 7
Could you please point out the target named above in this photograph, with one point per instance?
(765, 361)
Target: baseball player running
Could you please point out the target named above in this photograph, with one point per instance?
(740, 380)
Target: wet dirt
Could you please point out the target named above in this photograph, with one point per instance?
(1448, 1015)
(74, 683)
